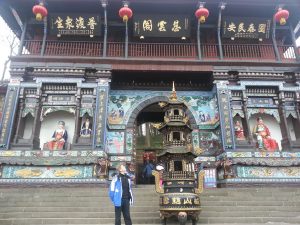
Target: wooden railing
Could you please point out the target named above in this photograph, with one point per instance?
(32, 48)
(162, 50)
(248, 51)
(257, 52)
(74, 48)
(287, 53)
(115, 49)
(63, 48)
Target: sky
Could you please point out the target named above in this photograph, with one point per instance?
(6, 34)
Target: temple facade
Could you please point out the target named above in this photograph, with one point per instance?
(87, 83)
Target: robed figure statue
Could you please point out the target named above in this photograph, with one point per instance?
(86, 129)
(59, 137)
(263, 136)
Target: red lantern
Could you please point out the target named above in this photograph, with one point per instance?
(281, 16)
(202, 13)
(125, 12)
(40, 11)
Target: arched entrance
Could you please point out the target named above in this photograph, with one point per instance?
(148, 141)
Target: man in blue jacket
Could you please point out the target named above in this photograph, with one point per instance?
(147, 172)
(120, 194)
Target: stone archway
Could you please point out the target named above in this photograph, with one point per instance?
(135, 112)
(132, 121)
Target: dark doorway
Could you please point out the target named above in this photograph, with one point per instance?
(148, 141)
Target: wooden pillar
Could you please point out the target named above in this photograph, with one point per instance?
(19, 125)
(286, 137)
(77, 116)
(245, 109)
(297, 106)
(104, 5)
(199, 41)
(35, 135)
(277, 55)
(24, 28)
(221, 7)
(126, 39)
(148, 137)
(44, 36)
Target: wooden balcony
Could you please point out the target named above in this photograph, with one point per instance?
(175, 51)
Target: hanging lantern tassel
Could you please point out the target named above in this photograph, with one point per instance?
(125, 13)
(202, 14)
(281, 16)
(40, 11)
(125, 18)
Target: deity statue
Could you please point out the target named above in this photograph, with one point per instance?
(239, 131)
(59, 137)
(86, 129)
(263, 136)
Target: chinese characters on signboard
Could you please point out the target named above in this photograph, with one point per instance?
(70, 24)
(161, 26)
(238, 27)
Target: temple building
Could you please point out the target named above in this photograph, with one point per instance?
(87, 83)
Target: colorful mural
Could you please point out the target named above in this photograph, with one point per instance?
(47, 153)
(120, 158)
(210, 141)
(268, 172)
(38, 172)
(119, 105)
(129, 141)
(206, 109)
(203, 106)
(195, 137)
(115, 142)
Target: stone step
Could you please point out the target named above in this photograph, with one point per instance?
(75, 209)
(148, 208)
(145, 214)
(150, 202)
(97, 190)
(249, 209)
(75, 215)
(69, 220)
(72, 199)
(256, 220)
(92, 206)
(190, 223)
(149, 220)
(69, 204)
(105, 200)
(145, 193)
(153, 202)
(250, 203)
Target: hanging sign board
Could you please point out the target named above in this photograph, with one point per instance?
(161, 26)
(239, 27)
(75, 24)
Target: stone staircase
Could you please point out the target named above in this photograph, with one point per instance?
(91, 205)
